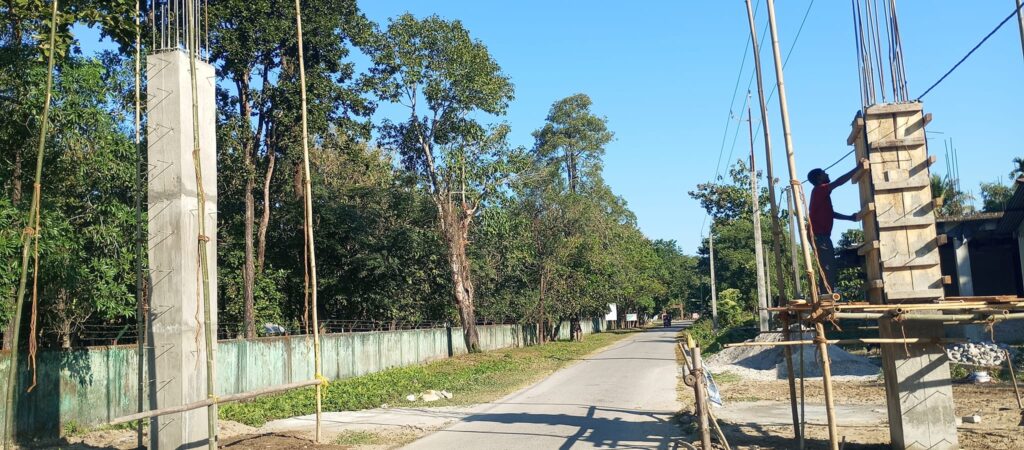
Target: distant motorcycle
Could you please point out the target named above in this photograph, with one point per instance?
(667, 320)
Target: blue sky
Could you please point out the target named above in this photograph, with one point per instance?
(664, 73)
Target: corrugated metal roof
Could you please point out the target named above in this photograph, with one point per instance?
(1014, 213)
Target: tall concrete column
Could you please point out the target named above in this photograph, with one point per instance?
(177, 357)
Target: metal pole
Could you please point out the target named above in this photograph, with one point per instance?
(714, 291)
(820, 338)
(762, 299)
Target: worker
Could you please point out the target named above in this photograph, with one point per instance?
(822, 216)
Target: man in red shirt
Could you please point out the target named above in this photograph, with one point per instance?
(822, 216)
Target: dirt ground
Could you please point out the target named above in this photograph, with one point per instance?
(993, 402)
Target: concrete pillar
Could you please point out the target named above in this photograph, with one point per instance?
(917, 387)
(963, 267)
(177, 358)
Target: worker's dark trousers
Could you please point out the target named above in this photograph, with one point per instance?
(827, 261)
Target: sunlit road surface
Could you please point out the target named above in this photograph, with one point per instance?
(622, 397)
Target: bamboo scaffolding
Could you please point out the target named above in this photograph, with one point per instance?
(805, 241)
(308, 205)
(30, 235)
(202, 239)
(851, 341)
(213, 401)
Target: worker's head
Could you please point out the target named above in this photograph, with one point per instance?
(817, 177)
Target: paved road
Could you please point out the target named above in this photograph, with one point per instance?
(622, 397)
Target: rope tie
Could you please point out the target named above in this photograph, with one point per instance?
(323, 380)
(29, 231)
(820, 340)
(204, 238)
(213, 397)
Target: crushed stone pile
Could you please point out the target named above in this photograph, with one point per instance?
(978, 354)
(769, 363)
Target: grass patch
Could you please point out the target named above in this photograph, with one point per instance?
(711, 342)
(475, 378)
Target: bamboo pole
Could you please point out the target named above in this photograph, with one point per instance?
(699, 399)
(762, 299)
(140, 320)
(28, 236)
(945, 318)
(819, 329)
(794, 237)
(213, 401)
(203, 242)
(769, 166)
(1020, 24)
(1013, 377)
(851, 341)
(311, 248)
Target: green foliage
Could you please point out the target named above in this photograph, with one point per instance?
(955, 202)
(730, 309)
(995, 196)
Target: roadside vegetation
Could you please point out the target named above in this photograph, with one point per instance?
(472, 378)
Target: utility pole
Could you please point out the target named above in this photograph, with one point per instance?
(819, 329)
(1020, 24)
(797, 290)
(762, 300)
(769, 169)
(714, 292)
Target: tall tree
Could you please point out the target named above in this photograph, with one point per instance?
(459, 161)
(254, 44)
(574, 138)
(995, 196)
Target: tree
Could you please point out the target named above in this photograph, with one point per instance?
(954, 201)
(254, 44)
(460, 161)
(995, 196)
(1018, 168)
(573, 138)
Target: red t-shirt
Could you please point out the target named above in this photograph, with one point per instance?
(821, 209)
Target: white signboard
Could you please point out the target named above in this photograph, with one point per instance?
(631, 317)
(614, 314)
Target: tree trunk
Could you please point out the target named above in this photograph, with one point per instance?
(265, 220)
(456, 231)
(248, 266)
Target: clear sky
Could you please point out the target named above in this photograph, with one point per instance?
(663, 72)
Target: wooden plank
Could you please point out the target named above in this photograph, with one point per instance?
(865, 211)
(867, 247)
(863, 167)
(918, 294)
(909, 262)
(890, 108)
(910, 183)
(858, 128)
(947, 280)
(987, 299)
(907, 222)
(875, 284)
(896, 144)
(927, 119)
(937, 202)
(941, 239)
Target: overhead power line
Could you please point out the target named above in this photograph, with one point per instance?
(968, 55)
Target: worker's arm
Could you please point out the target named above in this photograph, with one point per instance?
(851, 217)
(842, 180)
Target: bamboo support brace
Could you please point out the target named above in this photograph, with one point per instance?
(214, 401)
(852, 341)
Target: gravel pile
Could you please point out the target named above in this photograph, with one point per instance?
(977, 354)
(769, 363)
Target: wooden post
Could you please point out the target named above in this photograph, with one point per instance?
(699, 400)
(804, 237)
(762, 299)
(714, 292)
(1013, 376)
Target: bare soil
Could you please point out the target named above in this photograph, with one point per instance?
(993, 402)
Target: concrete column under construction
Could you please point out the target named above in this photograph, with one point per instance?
(177, 355)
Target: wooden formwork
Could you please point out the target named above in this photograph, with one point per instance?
(897, 210)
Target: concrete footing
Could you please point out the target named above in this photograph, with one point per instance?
(917, 387)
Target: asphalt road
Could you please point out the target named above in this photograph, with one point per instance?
(622, 397)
